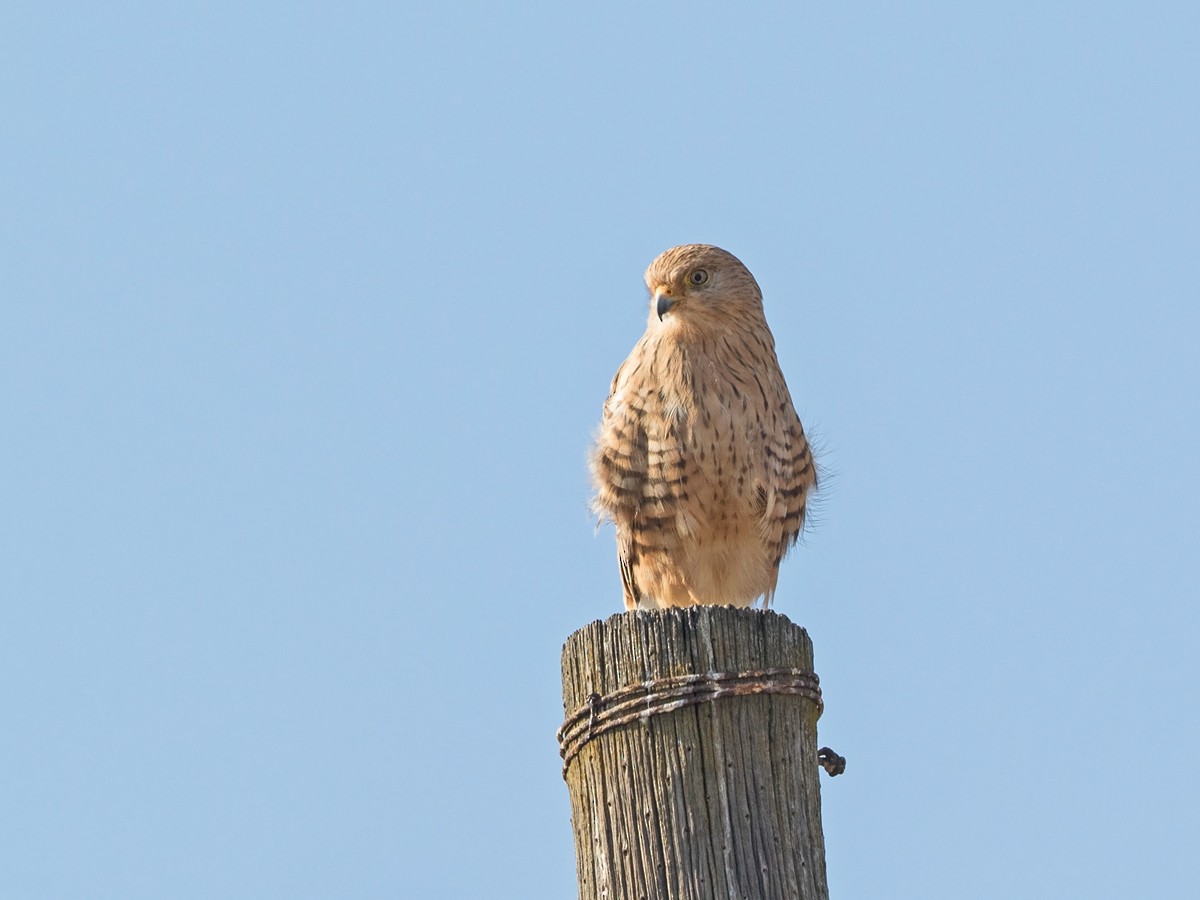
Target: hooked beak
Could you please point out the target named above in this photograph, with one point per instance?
(663, 304)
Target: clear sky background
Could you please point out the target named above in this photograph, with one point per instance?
(308, 312)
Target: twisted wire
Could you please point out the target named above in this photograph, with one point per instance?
(644, 699)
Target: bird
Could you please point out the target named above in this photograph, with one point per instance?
(700, 460)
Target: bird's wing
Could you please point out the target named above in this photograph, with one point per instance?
(789, 477)
(620, 464)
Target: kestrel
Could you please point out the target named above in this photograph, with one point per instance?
(701, 461)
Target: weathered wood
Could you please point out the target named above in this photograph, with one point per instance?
(715, 800)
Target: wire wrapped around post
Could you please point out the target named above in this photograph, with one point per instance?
(649, 698)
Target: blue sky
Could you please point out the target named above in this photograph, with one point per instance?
(309, 312)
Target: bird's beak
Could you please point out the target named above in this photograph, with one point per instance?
(663, 302)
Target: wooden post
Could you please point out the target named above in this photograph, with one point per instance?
(691, 757)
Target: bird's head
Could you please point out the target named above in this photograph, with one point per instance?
(700, 286)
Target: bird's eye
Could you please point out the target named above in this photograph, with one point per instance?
(698, 277)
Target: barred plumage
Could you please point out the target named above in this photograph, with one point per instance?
(701, 461)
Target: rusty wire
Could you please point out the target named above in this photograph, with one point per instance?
(654, 697)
